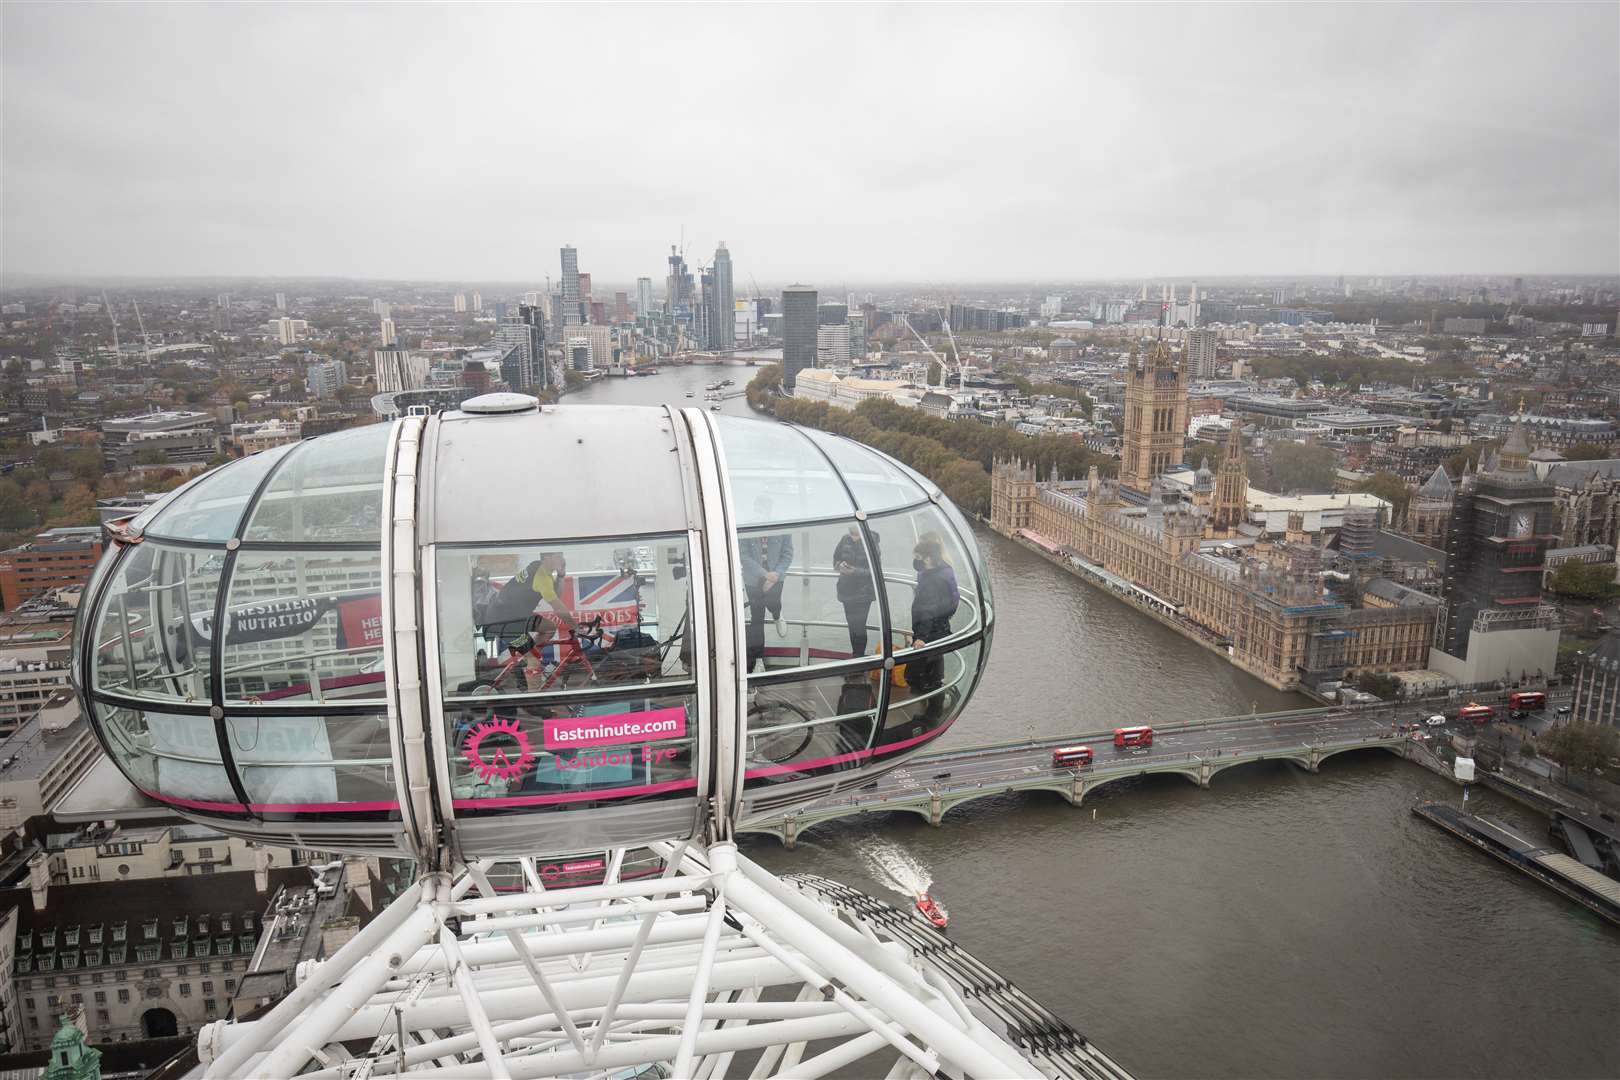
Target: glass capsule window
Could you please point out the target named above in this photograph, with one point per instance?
(861, 605)
(253, 592)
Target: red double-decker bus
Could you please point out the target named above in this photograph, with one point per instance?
(1065, 756)
(1478, 714)
(1527, 701)
(1133, 736)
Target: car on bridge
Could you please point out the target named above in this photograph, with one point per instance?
(1435, 721)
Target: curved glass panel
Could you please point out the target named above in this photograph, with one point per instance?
(518, 619)
(877, 482)
(564, 755)
(296, 765)
(169, 755)
(809, 596)
(304, 626)
(777, 476)
(154, 627)
(810, 727)
(928, 576)
(330, 492)
(964, 529)
(926, 695)
(213, 508)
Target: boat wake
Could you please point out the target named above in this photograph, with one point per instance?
(896, 868)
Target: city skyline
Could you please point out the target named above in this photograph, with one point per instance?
(1042, 144)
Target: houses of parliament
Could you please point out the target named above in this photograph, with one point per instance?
(1188, 553)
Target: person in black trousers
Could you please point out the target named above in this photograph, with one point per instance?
(855, 589)
(932, 606)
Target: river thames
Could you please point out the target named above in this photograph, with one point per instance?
(1277, 924)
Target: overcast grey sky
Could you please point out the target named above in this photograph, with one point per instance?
(851, 143)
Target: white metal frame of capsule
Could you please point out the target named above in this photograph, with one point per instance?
(714, 966)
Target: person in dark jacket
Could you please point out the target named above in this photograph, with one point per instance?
(932, 606)
(855, 589)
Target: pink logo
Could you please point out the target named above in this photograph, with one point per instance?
(614, 728)
(507, 753)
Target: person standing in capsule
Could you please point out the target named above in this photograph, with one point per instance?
(855, 589)
(932, 606)
(765, 561)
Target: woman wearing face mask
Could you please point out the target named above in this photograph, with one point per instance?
(932, 606)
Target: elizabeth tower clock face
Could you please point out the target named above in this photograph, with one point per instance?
(1524, 523)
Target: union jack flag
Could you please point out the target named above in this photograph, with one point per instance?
(608, 594)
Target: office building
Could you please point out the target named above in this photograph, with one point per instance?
(598, 340)
(799, 325)
(1155, 416)
(719, 302)
(621, 307)
(1202, 353)
(52, 559)
(389, 337)
(832, 344)
(177, 435)
(571, 313)
(644, 296)
(36, 644)
(678, 285)
(252, 437)
(288, 331)
(1597, 683)
(324, 379)
(522, 341)
(399, 369)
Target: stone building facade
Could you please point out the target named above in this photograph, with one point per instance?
(1265, 608)
(1155, 416)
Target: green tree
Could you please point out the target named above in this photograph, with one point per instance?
(1582, 747)
(1297, 466)
(572, 380)
(1378, 684)
(1391, 488)
(1584, 581)
(150, 456)
(1587, 452)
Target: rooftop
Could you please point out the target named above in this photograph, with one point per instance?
(26, 753)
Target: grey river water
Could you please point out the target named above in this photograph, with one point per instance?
(1278, 924)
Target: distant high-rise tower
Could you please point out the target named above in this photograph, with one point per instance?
(389, 338)
(798, 332)
(459, 302)
(523, 341)
(570, 286)
(1202, 353)
(621, 307)
(644, 296)
(719, 302)
(678, 286)
(478, 301)
(1155, 417)
(281, 301)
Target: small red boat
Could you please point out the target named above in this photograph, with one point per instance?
(932, 911)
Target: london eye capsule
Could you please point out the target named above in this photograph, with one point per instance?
(511, 629)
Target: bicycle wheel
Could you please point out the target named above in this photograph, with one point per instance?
(779, 746)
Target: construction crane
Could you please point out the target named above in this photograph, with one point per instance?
(146, 342)
(118, 353)
(940, 360)
(956, 354)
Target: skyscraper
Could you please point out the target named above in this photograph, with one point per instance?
(1201, 353)
(799, 323)
(389, 338)
(719, 300)
(621, 307)
(523, 341)
(459, 302)
(644, 298)
(570, 286)
(281, 301)
(678, 287)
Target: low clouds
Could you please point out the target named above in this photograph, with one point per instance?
(838, 143)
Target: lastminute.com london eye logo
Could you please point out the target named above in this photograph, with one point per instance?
(498, 749)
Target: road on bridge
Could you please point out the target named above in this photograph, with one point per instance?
(948, 771)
